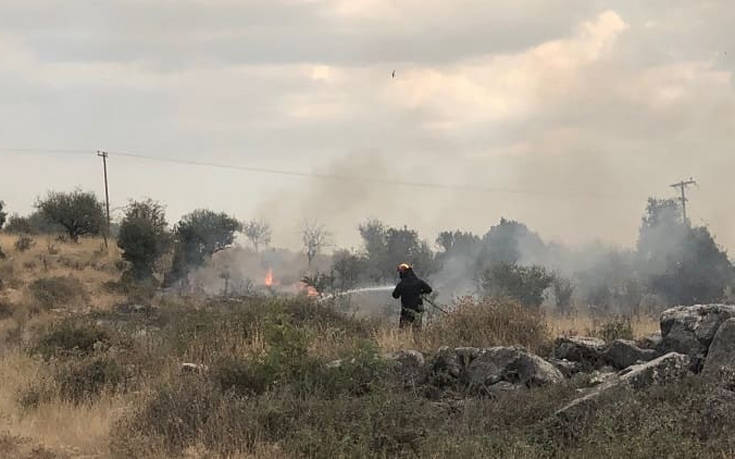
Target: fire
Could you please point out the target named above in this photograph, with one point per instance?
(269, 278)
(311, 291)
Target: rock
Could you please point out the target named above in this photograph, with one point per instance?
(623, 353)
(582, 349)
(662, 370)
(652, 341)
(721, 353)
(447, 362)
(407, 358)
(513, 365)
(567, 368)
(691, 329)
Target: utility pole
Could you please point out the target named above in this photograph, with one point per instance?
(682, 186)
(103, 155)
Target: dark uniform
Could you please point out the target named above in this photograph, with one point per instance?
(409, 290)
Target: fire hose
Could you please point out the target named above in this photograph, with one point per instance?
(434, 305)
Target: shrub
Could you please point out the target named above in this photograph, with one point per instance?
(69, 338)
(143, 237)
(83, 381)
(24, 242)
(50, 292)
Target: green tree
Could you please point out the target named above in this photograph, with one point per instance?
(143, 237)
(78, 212)
(683, 264)
(523, 283)
(199, 235)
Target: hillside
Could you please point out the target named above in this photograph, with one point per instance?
(87, 372)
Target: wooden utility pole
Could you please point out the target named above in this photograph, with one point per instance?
(682, 186)
(103, 155)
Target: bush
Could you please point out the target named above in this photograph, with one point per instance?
(143, 237)
(58, 291)
(84, 381)
(69, 338)
(24, 242)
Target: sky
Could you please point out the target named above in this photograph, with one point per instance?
(564, 114)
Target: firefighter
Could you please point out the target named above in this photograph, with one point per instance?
(409, 290)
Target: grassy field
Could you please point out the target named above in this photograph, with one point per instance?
(82, 375)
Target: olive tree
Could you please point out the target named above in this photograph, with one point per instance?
(78, 212)
(199, 235)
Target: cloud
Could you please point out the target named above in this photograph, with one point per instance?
(587, 106)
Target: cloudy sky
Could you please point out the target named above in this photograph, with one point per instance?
(564, 114)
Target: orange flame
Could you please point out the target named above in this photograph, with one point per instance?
(269, 278)
(311, 291)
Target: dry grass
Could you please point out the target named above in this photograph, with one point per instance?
(87, 261)
(582, 324)
(64, 428)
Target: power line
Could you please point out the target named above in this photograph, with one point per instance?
(334, 177)
(317, 175)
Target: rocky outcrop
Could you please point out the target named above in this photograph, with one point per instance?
(666, 369)
(586, 350)
(512, 365)
(721, 353)
(691, 329)
(623, 353)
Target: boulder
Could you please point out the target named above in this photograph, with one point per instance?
(721, 353)
(566, 367)
(446, 362)
(652, 341)
(662, 370)
(691, 329)
(623, 353)
(584, 349)
(513, 365)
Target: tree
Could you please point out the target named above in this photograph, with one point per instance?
(315, 238)
(404, 246)
(78, 212)
(198, 236)
(258, 233)
(143, 237)
(2, 214)
(681, 263)
(511, 242)
(563, 291)
(523, 283)
(348, 268)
